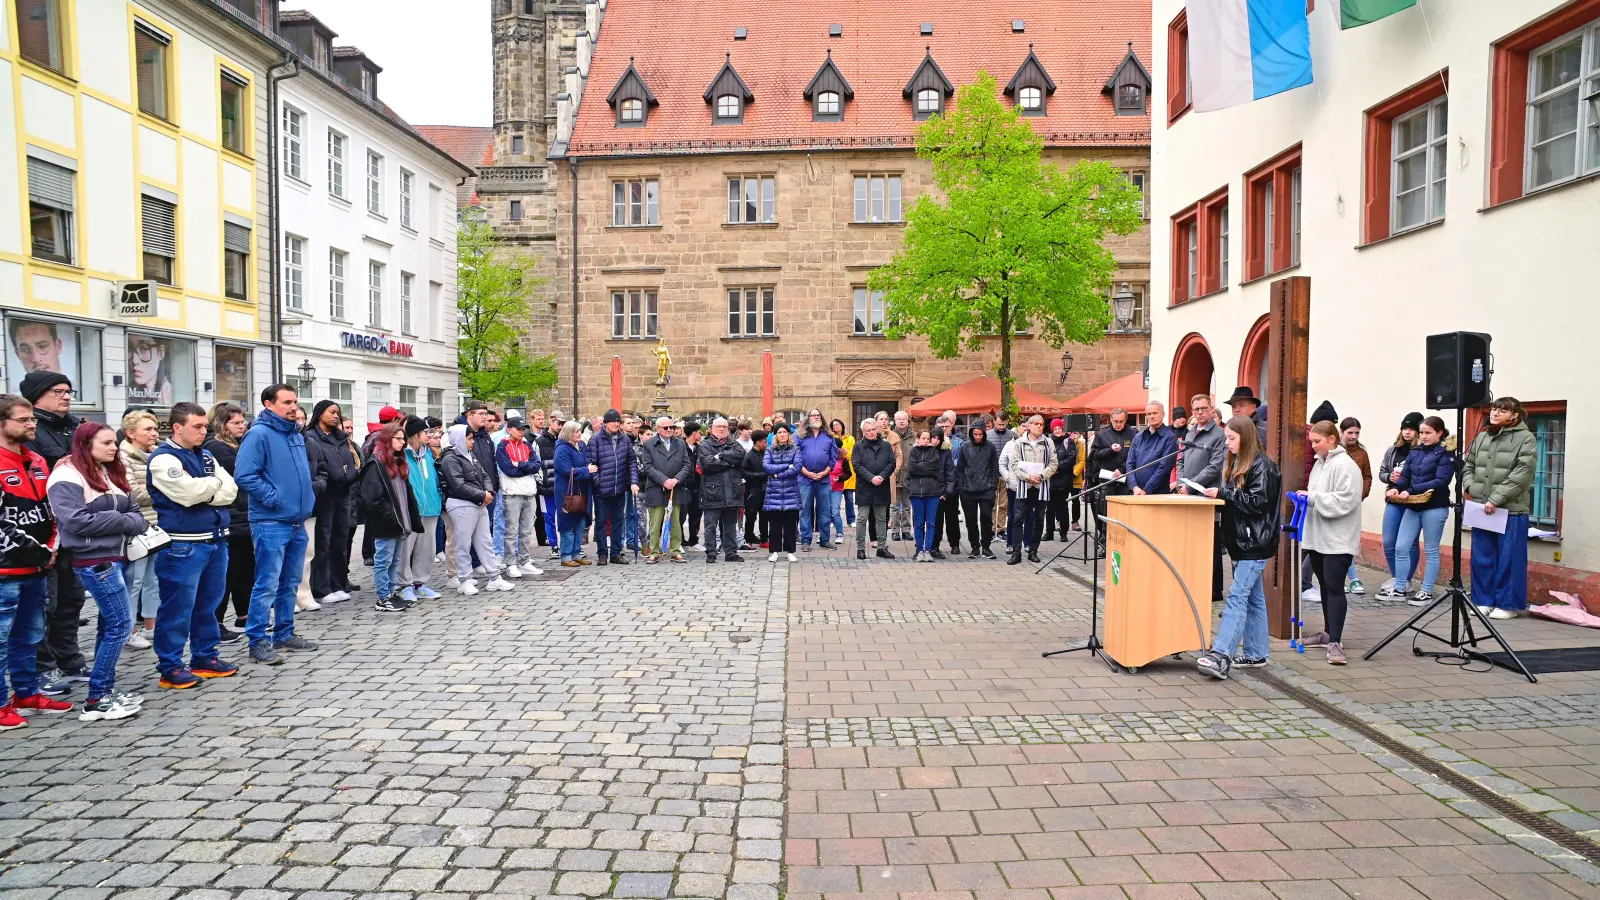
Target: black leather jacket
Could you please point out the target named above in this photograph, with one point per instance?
(1251, 514)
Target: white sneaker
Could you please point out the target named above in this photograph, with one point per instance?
(772, 557)
(529, 568)
(1486, 609)
(791, 557)
(1310, 595)
(140, 640)
(1502, 614)
(467, 587)
(307, 605)
(1387, 586)
(838, 541)
(513, 572)
(337, 597)
(498, 584)
(438, 559)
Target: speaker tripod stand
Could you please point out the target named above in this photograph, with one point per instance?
(1463, 640)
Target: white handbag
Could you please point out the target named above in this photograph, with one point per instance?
(153, 540)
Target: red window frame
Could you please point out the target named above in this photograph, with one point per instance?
(1508, 95)
(1379, 189)
(1178, 99)
(1278, 172)
(1207, 215)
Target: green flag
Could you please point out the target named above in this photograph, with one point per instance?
(1362, 12)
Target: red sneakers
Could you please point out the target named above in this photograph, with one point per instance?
(39, 703)
(9, 719)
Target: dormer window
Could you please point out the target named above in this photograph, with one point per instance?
(1031, 86)
(1130, 99)
(632, 111)
(828, 92)
(727, 107)
(728, 95)
(928, 101)
(1031, 99)
(631, 98)
(1129, 86)
(928, 88)
(828, 103)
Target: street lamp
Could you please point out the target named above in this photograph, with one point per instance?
(308, 376)
(1066, 365)
(1122, 306)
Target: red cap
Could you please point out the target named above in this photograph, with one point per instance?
(1057, 423)
(388, 414)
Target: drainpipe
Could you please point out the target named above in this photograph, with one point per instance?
(574, 166)
(274, 288)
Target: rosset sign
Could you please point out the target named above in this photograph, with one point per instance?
(378, 344)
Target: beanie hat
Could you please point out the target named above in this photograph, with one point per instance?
(1057, 423)
(415, 426)
(34, 384)
(612, 416)
(1325, 413)
(783, 426)
(1413, 421)
(1179, 412)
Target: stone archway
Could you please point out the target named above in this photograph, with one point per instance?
(1253, 357)
(1192, 370)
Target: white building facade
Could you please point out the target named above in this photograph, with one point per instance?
(368, 240)
(1441, 174)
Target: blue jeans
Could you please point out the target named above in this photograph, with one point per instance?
(550, 532)
(1499, 567)
(280, 559)
(144, 591)
(1244, 616)
(608, 517)
(386, 566)
(193, 576)
(22, 602)
(924, 512)
(836, 510)
(105, 583)
(630, 531)
(497, 521)
(1393, 514)
(1430, 523)
(815, 496)
(572, 539)
(850, 506)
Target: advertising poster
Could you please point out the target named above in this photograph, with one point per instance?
(35, 346)
(149, 371)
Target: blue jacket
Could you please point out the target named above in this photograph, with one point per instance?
(1148, 448)
(570, 465)
(1428, 469)
(818, 452)
(273, 471)
(201, 518)
(619, 464)
(783, 479)
(424, 478)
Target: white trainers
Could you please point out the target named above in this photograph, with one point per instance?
(529, 568)
(140, 639)
(1386, 586)
(337, 597)
(498, 584)
(513, 572)
(791, 557)
(307, 605)
(772, 557)
(467, 586)
(1310, 595)
(438, 559)
(1502, 614)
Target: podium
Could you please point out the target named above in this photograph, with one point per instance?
(1147, 615)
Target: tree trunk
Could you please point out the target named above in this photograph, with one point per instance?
(1006, 399)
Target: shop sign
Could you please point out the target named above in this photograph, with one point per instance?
(378, 344)
(134, 299)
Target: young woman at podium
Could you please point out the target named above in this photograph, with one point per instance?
(1251, 504)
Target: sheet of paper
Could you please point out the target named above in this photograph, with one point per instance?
(1031, 468)
(1476, 518)
(1196, 488)
(1536, 532)
(1108, 475)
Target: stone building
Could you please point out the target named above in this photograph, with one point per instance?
(736, 170)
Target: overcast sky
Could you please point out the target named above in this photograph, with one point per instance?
(437, 67)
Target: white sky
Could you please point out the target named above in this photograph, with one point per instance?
(436, 58)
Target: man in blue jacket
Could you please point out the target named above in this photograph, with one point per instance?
(818, 453)
(273, 471)
(614, 471)
(1153, 442)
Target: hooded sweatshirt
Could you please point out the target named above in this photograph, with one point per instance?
(273, 471)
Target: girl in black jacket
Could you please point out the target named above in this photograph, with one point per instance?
(1252, 504)
(755, 492)
(977, 471)
(389, 509)
(928, 475)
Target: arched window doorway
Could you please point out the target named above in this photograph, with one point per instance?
(1253, 358)
(1191, 370)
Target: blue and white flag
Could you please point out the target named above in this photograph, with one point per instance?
(1243, 50)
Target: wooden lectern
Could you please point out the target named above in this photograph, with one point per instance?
(1147, 615)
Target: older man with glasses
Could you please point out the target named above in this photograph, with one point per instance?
(666, 462)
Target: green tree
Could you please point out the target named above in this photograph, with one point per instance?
(494, 283)
(1014, 244)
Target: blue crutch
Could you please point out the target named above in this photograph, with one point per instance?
(1295, 529)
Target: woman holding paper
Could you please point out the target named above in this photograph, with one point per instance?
(1497, 471)
(1251, 511)
(1428, 472)
(1332, 531)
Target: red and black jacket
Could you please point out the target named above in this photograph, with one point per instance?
(27, 528)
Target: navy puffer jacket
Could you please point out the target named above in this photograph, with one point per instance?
(619, 464)
(783, 478)
(1428, 468)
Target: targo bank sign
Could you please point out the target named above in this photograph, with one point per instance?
(378, 344)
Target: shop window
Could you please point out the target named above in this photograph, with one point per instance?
(408, 400)
(1272, 216)
(377, 399)
(161, 370)
(342, 393)
(233, 375)
(38, 346)
(436, 403)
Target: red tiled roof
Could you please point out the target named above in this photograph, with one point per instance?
(473, 145)
(678, 48)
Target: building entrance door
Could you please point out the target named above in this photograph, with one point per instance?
(866, 409)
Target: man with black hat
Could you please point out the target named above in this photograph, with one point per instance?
(520, 472)
(1244, 402)
(59, 655)
(334, 469)
(614, 472)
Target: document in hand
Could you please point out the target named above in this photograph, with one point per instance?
(1197, 488)
(1476, 518)
(1108, 475)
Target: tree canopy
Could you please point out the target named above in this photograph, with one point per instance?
(492, 300)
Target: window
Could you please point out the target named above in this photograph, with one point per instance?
(336, 151)
(1141, 180)
(1420, 149)
(406, 181)
(39, 33)
(377, 399)
(1180, 88)
(436, 403)
(161, 370)
(336, 267)
(375, 295)
(929, 101)
(1200, 257)
(828, 103)
(516, 143)
(150, 55)
(636, 201)
(1030, 99)
(51, 201)
(1549, 477)
(634, 314)
(632, 111)
(233, 375)
(159, 227)
(752, 199)
(1130, 100)
(235, 261)
(1545, 98)
(344, 394)
(727, 106)
(1222, 242)
(294, 124)
(1140, 320)
(1272, 219)
(868, 312)
(233, 111)
(516, 210)
(877, 198)
(408, 400)
(57, 347)
(406, 281)
(374, 183)
(751, 312)
(294, 273)
(1192, 237)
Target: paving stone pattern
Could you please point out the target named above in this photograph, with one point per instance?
(1496, 713)
(916, 731)
(566, 739)
(937, 616)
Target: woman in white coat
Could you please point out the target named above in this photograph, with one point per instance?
(1332, 531)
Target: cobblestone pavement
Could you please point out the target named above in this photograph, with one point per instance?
(569, 738)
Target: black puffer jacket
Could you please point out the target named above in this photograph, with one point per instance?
(928, 472)
(54, 438)
(333, 464)
(239, 512)
(547, 452)
(755, 476)
(978, 468)
(1102, 457)
(463, 478)
(1066, 458)
(380, 507)
(721, 473)
(1251, 514)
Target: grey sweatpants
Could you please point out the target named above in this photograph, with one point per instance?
(416, 560)
(521, 537)
(473, 530)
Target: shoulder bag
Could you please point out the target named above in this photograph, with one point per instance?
(573, 503)
(151, 542)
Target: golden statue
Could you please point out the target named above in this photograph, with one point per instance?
(663, 362)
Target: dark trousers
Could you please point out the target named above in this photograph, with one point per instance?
(1097, 505)
(1055, 512)
(369, 547)
(59, 649)
(538, 524)
(1217, 549)
(948, 521)
(609, 525)
(689, 520)
(241, 575)
(979, 510)
(785, 533)
(330, 553)
(1026, 509)
(757, 522)
(1330, 569)
(722, 522)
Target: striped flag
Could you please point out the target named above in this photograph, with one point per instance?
(1364, 12)
(1243, 50)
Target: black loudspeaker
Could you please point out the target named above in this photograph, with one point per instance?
(1459, 366)
(1080, 422)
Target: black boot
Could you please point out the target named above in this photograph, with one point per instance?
(1033, 555)
(936, 554)
(1014, 557)
(973, 554)
(861, 554)
(883, 553)
(987, 552)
